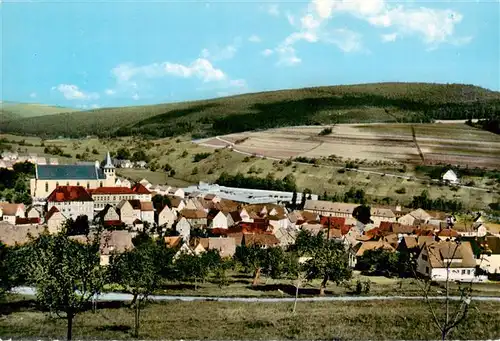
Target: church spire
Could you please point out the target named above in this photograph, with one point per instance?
(108, 164)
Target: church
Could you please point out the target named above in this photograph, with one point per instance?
(48, 177)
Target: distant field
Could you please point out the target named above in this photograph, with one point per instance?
(439, 142)
(12, 110)
(379, 320)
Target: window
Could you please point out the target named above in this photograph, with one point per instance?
(88, 185)
(463, 272)
(424, 258)
(100, 184)
(78, 183)
(67, 183)
(426, 269)
(57, 184)
(468, 272)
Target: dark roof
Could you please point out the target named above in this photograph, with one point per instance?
(69, 172)
(69, 193)
(111, 190)
(260, 239)
(135, 203)
(24, 221)
(51, 212)
(335, 222)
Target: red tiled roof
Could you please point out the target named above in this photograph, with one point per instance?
(448, 233)
(51, 212)
(111, 190)
(335, 222)
(69, 193)
(140, 189)
(10, 209)
(147, 206)
(24, 221)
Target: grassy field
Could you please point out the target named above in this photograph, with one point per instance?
(12, 111)
(378, 102)
(179, 153)
(380, 320)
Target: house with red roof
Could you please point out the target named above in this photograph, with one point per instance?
(72, 201)
(142, 193)
(10, 212)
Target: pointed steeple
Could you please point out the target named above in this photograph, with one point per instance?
(108, 164)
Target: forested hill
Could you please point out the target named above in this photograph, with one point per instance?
(380, 102)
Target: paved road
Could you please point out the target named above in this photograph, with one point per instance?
(121, 297)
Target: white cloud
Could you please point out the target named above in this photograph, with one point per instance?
(387, 38)
(72, 92)
(110, 92)
(33, 95)
(135, 97)
(434, 26)
(290, 18)
(344, 39)
(287, 56)
(216, 53)
(267, 52)
(200, 68)
(254, 38)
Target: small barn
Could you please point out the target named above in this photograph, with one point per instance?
(450, 177)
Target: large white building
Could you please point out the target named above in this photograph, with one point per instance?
(71, 201)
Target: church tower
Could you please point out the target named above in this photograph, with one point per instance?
(109, 171)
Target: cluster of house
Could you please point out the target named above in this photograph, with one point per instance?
(9, 159)
(119, 163)
(124, 208)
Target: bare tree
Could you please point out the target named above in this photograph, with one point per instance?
(446, 316)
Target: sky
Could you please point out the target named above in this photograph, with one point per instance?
(91, 54)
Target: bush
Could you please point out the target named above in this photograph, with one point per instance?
(194, 171)
(95, 152)
(326, 131)
(172, 173)
(184, 153)
(200, 156)
(401, 190)
(246, 159)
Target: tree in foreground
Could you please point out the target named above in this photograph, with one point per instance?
(326, 259)
(447, 314)
(197, 268)
(139, 271)
(252, 258)
(5, 280)
(66, 273)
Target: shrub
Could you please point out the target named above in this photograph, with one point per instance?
(94, 151)
(326, 131)
(200, 156)
(184, 153)
(401, 190)
(194, 171)
(210, 171)
(246, 159)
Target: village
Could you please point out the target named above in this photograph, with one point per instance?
(233, 217)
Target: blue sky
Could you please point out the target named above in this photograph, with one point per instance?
(88, 54)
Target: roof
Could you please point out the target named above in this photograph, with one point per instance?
(493, 244)
(237, 236)
(111, 190)
(108, 163)
(448, 233)
(26, 221)
(373, 245)
(320, 205)
(382, 212)
(173, 241)
(140, 189)
(225, 246)
(335, 222)
(111, 241)
(147, 206)
(69, 172)
(17, 235)
(174, 201)
(420, 214)
(445, 253)
(10, 209)
(193, 214)
(260, 239)
(69, 193)
(53, 210)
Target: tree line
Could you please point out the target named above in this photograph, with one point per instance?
(239, 180)
(13, 182)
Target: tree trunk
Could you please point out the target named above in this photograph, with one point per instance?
(256, 277)
(296, 296)
(69, 317)
(323, 286)
(137, 311)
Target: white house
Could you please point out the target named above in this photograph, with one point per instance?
(490, 261)
(447, 259)
(147, 212)
(9, 212)
(217, 220)
(54, 220)
(72, 201)
(166, 217)
(183, 228)
(450, 177)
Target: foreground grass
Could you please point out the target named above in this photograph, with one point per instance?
(221, 320)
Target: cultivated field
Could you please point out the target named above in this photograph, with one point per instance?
(452, 143)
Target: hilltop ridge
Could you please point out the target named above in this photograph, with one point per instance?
(363, 103)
